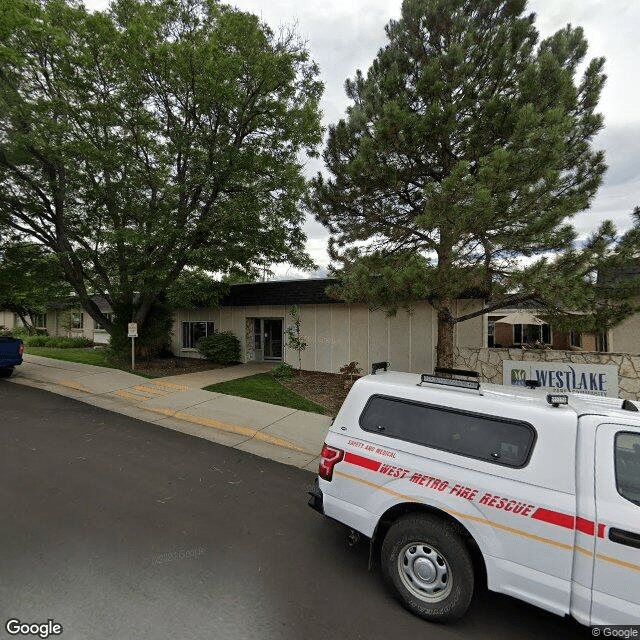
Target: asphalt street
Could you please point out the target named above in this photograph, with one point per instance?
(119, 529)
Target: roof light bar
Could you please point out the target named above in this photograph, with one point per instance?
(449, 382)
(556, 399)
(467, 373)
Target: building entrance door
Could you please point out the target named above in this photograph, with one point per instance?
(272, 332)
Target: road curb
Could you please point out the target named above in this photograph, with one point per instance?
(130, 400)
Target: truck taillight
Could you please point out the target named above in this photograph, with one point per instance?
(330, 458)
(21, 348)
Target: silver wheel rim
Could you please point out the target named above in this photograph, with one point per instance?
(425, 572)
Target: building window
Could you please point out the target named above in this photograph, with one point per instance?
(529, 333)
(491, 334)
(77, 320)
(40, 321)
(98, 327)
(193, 331)
(603, 342)
(576, 339)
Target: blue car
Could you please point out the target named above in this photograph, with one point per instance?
(11, 350)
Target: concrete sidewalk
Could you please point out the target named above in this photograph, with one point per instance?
(202, 379)
(177, 402)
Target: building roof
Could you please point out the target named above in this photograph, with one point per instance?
(630, 272)
(527, 305)
(285, 292)
(74, 301)
(289, 292)
(276, 292)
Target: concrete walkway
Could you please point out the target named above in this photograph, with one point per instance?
(177, 402)
(201, 379)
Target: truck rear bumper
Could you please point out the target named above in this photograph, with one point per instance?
(316, 498)
(9, 364)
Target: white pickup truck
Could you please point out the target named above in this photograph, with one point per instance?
(538, 492)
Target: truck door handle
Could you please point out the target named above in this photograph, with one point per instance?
(627, 538)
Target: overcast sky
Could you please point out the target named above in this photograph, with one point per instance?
(345, 35)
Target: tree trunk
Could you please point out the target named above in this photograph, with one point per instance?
(446, 323)
(31, 330)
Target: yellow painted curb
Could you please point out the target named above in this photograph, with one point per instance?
(130, 396)
(279, 442)
(170, 385)
(75, 385)
(154, 392)
(228, 427)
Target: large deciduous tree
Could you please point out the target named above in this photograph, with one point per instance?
(153, 136)
(466, 149)
(30, 278)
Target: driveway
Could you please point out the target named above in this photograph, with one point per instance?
(178, 402)
(119, 530)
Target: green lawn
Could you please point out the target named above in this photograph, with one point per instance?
(264, 387)
(96, 357)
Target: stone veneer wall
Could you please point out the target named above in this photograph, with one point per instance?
(488, 363)
(249, 340)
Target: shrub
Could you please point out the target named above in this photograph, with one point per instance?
(221, 348)
(57, 342)
(295, 339)
(283, 371)
(17, 332)
(350, 370)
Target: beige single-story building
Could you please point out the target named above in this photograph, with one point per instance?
(64, 318)
(7, 320)
(337, 333)
(625, 337)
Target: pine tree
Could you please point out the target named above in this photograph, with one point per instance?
(467, 147)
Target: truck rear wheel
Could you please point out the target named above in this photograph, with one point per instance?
(5, 372)
(426, 563)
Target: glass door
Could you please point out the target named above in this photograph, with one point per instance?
(272, 338)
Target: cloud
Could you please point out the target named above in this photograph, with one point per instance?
(345, 36)
(610, 27)
(620, 190)
(622, 147)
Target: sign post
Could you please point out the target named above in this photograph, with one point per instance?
(133, 334)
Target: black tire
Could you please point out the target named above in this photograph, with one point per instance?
(436, 579)
(5, 372)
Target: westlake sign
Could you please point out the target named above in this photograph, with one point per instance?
(594, 379)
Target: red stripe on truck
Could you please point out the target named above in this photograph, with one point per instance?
(554, 517)
(544, 515)
(585, 526)
(360, 461)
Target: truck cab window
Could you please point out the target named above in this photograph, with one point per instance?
(627, 460)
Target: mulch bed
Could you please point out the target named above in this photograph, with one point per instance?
(325, 389)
